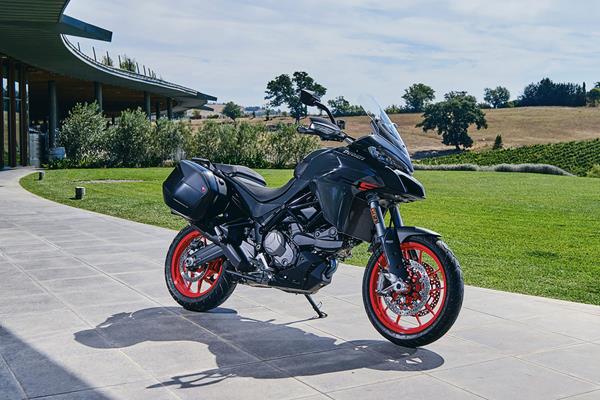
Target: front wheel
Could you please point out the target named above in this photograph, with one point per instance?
(196, 289)
(425, 310)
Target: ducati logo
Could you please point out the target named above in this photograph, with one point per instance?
(351, 154)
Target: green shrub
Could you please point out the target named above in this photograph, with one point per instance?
(251, 144)
(130, 140)
(83, 135)
(574, 157)
(530, 168)
(231, 143)
(448, 167)
(286, 147)
(169, 141)
(594, 172)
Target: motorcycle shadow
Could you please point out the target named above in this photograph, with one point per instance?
(310, 353)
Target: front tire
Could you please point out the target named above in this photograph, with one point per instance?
(432, 316)
(202, 289)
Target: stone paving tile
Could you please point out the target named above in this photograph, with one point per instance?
(58, 261)
(342, 368)
(510, 378)
(418, 387)
(257, 381)
(42, 376)
(468, 319)
(102, 314)
(129, 391)
(9, 387)
(515, 338)
(582, 361)
(282, 341)
(129, 267)
(595, 395)
(35, 303)
(577, 324)
(446, 353)
(93, 297)
(52, 274)
(511, 306)
(75, 284)
(41, 324)
(175, 357)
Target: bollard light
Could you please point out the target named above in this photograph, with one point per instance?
(79, 192)
(41, 175)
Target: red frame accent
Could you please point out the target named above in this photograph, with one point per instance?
(394, 322)
(194, 289)
(362, 186)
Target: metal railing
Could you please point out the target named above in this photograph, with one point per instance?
(123, 72)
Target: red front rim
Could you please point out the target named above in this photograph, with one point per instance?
(433, 306)
(193, 283)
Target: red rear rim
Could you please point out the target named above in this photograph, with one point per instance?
(433, 306)
(193, 283)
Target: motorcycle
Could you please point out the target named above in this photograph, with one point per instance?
(291, 238)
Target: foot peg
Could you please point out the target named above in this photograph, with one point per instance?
(315, 306)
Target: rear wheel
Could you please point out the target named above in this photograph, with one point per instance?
(200, 288)
(425, 310)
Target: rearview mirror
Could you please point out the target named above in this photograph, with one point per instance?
(309, 98)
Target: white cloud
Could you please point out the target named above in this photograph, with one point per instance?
(232, 48)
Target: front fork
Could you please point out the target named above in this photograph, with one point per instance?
(388, 239)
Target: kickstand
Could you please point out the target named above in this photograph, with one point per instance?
(315, 306)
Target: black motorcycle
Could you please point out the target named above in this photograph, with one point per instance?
(291, 238)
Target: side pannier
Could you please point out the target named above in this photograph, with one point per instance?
(194, 192)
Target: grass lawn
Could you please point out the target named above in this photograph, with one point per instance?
(527, 233)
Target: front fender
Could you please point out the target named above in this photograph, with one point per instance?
(404, 232)
(392, 240)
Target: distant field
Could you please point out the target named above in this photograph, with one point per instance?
(575, 157)
(534, 234)
(518, 127)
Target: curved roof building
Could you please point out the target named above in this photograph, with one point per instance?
(44, 74)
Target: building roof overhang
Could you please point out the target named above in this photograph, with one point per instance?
(35, 32)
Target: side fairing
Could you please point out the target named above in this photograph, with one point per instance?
(334, 175)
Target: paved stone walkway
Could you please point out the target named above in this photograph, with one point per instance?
(84, 314)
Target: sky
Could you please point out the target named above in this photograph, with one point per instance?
(232, 48)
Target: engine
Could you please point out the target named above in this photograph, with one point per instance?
(276, 245)
(284, 245)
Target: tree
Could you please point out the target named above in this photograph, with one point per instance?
(232, 110)
(285, 90)
(497, 97)
(417, 97)
(342, 107)
(393, 109)
(452, 117)
(497, 143)
(593, 96)
(548, 93)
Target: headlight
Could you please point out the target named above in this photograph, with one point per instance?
(383, 157)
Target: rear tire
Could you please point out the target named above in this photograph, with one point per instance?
(200, 290)
(442, 306)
